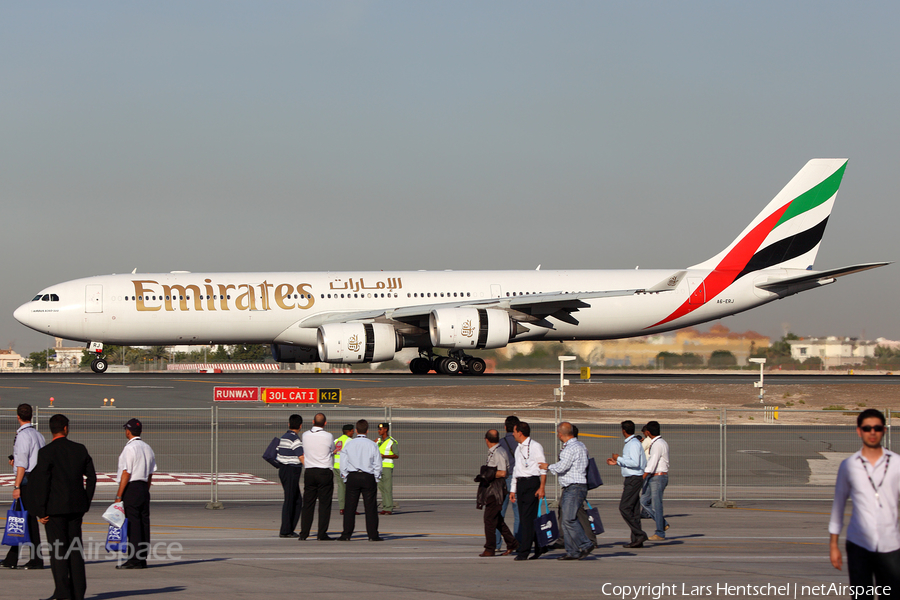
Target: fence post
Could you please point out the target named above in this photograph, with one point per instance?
(887, 414)
(214, 503)
(723, 501)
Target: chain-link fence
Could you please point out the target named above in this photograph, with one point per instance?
(214, 454)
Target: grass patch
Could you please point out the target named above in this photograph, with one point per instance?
(802, 401)
(861, 404)
(786, 395)
(835, 407)
(788, 403)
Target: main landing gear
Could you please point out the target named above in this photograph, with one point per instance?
(454, 363)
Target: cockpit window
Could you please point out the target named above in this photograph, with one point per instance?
(54, 298)
(46, 298)
(36, 298)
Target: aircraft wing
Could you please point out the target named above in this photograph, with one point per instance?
(797, 283)
(531, 308)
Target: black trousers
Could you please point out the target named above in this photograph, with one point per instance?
(293, 500)
(66, 561)
(34, 531)
(865, 566)
(630, 506)
(493, 521)
(136, 502)
(359, 483)
(318, 484)
(528, 511)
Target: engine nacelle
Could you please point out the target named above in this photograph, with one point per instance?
(285, 353)
(472, 328)
(357, 342)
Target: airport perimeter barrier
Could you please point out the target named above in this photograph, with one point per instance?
(214, 454)
(181, 438)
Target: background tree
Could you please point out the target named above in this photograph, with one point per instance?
(721, 359)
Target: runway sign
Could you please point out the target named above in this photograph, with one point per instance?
(236, 394)
(290, 395)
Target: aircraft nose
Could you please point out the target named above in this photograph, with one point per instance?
(24, 315)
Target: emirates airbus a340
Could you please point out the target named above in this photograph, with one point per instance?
(361, 317)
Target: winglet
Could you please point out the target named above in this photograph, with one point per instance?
(668, 284)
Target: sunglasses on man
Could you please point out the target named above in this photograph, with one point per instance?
(876, 428)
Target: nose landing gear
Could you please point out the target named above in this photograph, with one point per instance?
(99, 364)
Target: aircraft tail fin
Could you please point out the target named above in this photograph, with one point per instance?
(787, 233)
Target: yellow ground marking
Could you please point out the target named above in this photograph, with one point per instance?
(525, 380)
(801, 512)
(9, 387)
(363, 380)
(216, 382)
(77, 383)
(594, 435)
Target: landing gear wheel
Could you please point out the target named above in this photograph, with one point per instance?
(451, 366)
(420, 365)
(438, 364)
(476, 367)
(99, 365)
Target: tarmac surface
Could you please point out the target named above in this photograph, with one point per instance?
(431, 551)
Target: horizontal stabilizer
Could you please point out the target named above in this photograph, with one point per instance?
(821, 277)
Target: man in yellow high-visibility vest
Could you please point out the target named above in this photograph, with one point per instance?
(390, 451)
(338, 446)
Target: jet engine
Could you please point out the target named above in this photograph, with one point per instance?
(357, 342)
(472, 328)
(285, 353)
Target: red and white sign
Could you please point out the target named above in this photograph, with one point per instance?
(290, 396)
(236, 394)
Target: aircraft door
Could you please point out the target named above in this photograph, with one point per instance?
(93, 298)
(495, 290)
(697, 289)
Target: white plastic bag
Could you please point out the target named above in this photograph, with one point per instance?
(115, 514)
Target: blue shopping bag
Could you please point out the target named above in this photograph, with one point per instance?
(16, 532)
(546, 528)
(117, 538)
(594, 519)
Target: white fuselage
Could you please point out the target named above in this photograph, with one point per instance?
(228, 308)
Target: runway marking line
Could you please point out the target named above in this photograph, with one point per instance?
(9, 387)
(594, 435)
(525, 380)
(800, 512)
(363, 380)
(79, 383)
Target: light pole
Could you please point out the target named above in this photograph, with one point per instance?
(561, 392)
(759, 384)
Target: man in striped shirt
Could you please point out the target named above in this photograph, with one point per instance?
(571, 470)
(290, 457)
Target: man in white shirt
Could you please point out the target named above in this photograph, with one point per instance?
(25, 451)
(137, 464)
(361, 469)
(656, 478)
(528, 484)
(318, 482)
(873, 535)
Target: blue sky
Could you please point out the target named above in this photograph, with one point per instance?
(216, 136)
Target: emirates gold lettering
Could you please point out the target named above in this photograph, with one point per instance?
(182, 293)
(187, 297)
(141, 293)
(210, 300)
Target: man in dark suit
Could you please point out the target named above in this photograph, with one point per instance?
(61, 488)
